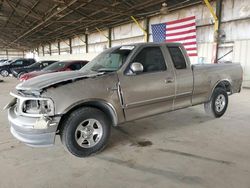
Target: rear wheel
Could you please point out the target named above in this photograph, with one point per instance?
(20, 74)
(4, 73)
(217, 106)
(85, 132)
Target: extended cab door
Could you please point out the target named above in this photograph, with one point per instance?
(183, 76)
(151, 91)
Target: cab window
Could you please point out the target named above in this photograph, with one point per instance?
(177, 58)
(45, 64)
(152, 59)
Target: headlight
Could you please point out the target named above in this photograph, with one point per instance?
(44, 107)
(33, 106)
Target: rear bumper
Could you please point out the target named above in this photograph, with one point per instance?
(22, 128)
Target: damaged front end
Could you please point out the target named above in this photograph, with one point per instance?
(37, 107)
(32, 118)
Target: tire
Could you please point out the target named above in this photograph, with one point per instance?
(20, 74)
(4, 73)
(217, 106)
(77, 128)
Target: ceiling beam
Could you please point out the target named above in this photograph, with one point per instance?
(41, 23)
(96, 12)
(64, 20)
(13, 11)
(140, 6)
(21, 12)
(66, 14)
(29, 11)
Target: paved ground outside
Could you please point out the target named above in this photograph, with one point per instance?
(185, 148)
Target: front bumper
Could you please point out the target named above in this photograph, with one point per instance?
(14, 73)
(22, 128)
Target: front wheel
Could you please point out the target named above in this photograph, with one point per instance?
(85, 132)
(4, 73)
(218, 103)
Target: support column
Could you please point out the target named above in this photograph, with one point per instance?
(110, 37)
(50, 49)
(147, 29)
(38, 53)
(70, 45)
(43, 49)
(7, 54)
(59, 48)
(217, 37)
(87, 43)
(216, 28)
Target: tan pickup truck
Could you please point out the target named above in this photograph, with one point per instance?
(121, 84)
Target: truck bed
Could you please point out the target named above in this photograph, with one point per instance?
(207, 76)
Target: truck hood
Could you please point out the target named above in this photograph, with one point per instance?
(41, 82)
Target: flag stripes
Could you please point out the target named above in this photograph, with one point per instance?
(179, 31)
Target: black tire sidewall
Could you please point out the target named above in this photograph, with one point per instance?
(4, 70)
(20, 74)
(217, 92)
(75, 118)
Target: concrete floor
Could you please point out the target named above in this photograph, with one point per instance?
(185, 148)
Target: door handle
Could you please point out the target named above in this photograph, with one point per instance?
(169, 80)
(114, 88)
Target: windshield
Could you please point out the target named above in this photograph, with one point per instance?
(55, 66)
(35, 65)
(109, 60)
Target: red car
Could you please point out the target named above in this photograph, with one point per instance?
(55, 67)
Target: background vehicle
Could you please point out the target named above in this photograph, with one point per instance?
(5, 68)
(55, 67)
(7, 62)
(17, 72)
(3, 60)
(122, 84)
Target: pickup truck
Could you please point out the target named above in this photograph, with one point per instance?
(121, 84)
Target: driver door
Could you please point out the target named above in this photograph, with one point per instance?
(152, 91)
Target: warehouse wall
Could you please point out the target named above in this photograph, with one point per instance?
(241, 54)
(235, 25)
(11, 54)
(80, 56)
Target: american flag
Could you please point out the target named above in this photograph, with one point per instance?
(181, 31)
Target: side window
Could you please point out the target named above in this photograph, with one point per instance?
(75, 66)
(177, 57)
(26, 62)
(152, 59)
(45, 64)
(81, 64)
(19, 62)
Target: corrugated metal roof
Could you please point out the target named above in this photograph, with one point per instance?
(27, 23)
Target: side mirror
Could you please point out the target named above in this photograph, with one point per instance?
(136, 67)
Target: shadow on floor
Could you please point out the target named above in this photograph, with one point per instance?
(136, 132)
